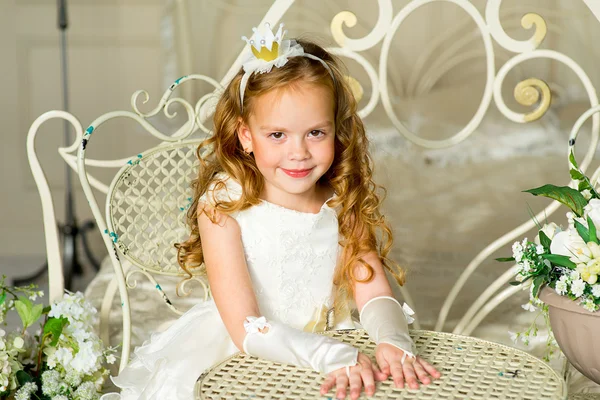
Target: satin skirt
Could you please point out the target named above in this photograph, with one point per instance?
(168, 365)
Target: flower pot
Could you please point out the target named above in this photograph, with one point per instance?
(576, 332)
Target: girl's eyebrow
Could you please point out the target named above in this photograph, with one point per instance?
(324, 124)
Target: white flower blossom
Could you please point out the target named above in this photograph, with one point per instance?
(73, 378)
(574, 275)
(25, 392)
(18, 342)
(51, 383)
(596, 290)
(586, 194)
(111, 359)
(514, 337)
(517, 250)
(63, 356)
(577, 287)
(561, 285)
(539, 249)
(87, 358)
(87, 391)
(550, 230)
(589, 305)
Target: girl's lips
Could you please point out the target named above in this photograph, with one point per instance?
(297, 173)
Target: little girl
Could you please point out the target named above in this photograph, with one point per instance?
(285, 221)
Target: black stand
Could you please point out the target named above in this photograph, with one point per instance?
(69, 231)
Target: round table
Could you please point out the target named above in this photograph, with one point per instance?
(471, 369)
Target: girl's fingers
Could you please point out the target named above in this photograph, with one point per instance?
(379, 376)
(355, 382)
(384, 366)
(368, 380)
(429, 368)
(341, 385)
(397, 374)
(327, 383)
(421, 373)
(409, 374)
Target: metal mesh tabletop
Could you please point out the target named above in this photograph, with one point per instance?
(471, 369)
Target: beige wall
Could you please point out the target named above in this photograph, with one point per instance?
(113, 49)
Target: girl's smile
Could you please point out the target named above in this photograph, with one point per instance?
(297, 173)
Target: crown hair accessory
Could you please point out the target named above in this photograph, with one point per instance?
(269, 50)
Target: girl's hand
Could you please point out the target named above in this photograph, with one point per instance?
(389, 359)
(364, 373)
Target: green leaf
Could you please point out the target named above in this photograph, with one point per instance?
(576, 175)
(46, 310)
(2, 298)
(563, 194)
(592, 230)
(537, 284)
(23, 377)
(24, 310)
(514, 283)
(505, 259)
(572, 159)
(36, 313)
(583, 231)
(583, 185)
(559, 260)
(545, 240)
(54, 327)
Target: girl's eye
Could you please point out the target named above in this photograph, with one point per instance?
(316, 133)
(276, 135)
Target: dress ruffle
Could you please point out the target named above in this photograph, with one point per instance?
(168, 365)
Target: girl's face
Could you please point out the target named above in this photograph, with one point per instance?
(291, 132)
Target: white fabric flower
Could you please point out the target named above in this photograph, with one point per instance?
(408, 313)
(255, 325)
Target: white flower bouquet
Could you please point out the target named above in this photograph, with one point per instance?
(63, 360)
(566, 260)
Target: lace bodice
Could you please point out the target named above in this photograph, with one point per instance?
(291, 255)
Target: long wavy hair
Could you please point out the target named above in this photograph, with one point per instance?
(362, 227)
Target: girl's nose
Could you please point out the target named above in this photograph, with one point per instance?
(298, 150)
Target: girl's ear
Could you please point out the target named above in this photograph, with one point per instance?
(244, 136)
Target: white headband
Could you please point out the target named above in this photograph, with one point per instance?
(269, 50)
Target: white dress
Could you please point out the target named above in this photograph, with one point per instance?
(291, 257)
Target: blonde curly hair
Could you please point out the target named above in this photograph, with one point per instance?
(362, 227)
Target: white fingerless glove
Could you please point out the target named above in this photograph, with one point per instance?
(386, 322)
(287, 345)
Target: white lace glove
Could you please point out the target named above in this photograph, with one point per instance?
(287, 345)
(386, 322)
